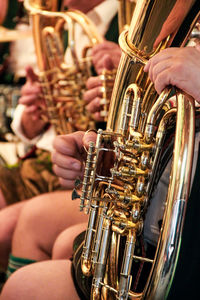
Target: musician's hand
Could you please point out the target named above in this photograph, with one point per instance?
(106, 56)
(31, 122)
(69, 155)
(93, 96)
(30, 95)
(179, 67)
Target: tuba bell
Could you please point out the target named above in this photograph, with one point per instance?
(124, 167)
(62, 83)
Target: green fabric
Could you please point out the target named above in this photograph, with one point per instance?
(16, 263)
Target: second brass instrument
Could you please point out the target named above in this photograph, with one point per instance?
(63, 83)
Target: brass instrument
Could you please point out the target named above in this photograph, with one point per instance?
(123, 167)
(63, 84)
(125, 12)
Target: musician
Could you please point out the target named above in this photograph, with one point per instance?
(12, 59)
(67, 290)
(18, 183)
(168, 62)
(9, 216)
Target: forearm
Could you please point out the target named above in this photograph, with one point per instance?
(3, 11)
(32, 128)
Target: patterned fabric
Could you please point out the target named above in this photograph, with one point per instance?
(33, 176)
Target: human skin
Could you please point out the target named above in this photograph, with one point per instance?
(41, 221)
(8, 220)
(62, 249)
(179, 67)
(3, 10)
(174, 21)
(36, 228)
(22, 217)
(44, 217)
(32, 123)
(105, 56)
(82, 5)
(68, 156)
(50, 280)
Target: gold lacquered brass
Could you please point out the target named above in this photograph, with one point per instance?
(121, 169)
(125, 12)
(62, 83)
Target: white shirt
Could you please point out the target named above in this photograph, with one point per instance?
(18, 57)
(101, 16)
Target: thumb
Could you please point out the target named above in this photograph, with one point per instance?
(89, 137)
(30, 74)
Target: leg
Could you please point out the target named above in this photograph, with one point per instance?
(8, 221)
(44, 280)
(41, 221)
(63, 246)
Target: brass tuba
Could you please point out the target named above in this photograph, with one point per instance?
(63, 84)
(124, 166)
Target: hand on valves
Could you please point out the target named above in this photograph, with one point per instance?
(69, 155)
(105, 56)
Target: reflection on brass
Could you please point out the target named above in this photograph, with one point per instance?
(122, 169)
(62, 84)
(125, 12)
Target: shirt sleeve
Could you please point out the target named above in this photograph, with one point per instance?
(43, 141)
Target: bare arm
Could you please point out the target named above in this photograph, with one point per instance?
(3, 10)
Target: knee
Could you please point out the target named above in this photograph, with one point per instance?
(13, 289)
(30, 216)
(62, 248)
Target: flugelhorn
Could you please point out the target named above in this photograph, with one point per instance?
(63, 83)
(124, 166)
